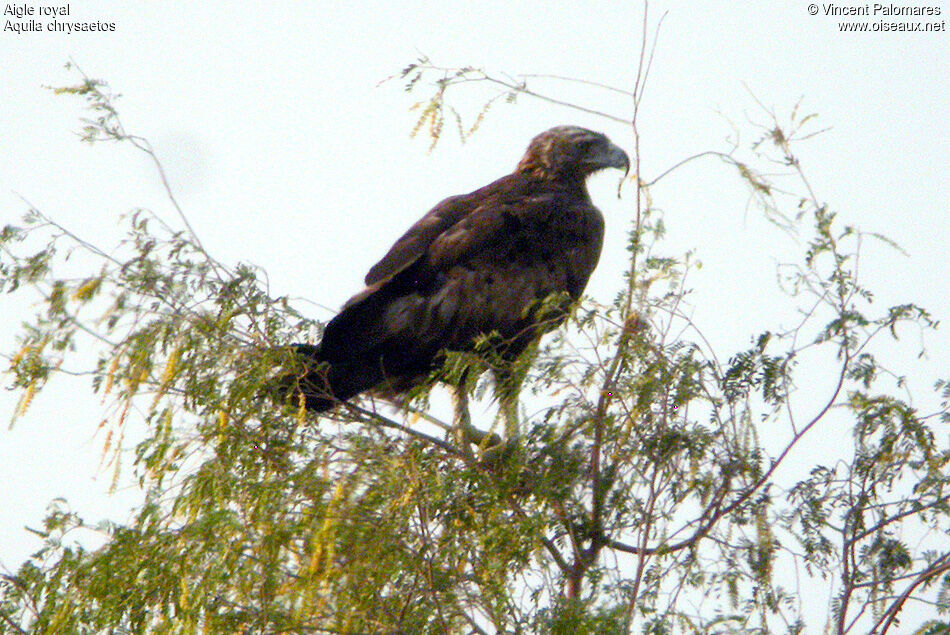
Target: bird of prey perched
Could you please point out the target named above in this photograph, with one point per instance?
(477, 264)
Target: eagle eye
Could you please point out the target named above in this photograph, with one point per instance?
(587, 144)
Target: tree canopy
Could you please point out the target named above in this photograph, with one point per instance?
(652, 484)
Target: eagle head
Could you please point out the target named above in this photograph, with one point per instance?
(571, 152)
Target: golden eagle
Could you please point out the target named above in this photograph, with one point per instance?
(477, 264)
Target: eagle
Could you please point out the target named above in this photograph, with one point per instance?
(476, 265)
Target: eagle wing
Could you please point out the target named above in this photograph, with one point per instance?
(472, 262)
(454, 226)
(417, 238)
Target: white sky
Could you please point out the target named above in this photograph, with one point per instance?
(286, 153)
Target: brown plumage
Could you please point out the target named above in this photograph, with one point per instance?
(475, 264)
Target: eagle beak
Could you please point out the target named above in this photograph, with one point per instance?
(611, 157)
(617, 158)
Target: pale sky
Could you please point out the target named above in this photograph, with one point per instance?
(286, 152)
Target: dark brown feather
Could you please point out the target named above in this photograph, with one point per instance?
(475, 264)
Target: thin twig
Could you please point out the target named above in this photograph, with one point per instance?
(375, 417)
(941, 565)
(709, 153)
(577, 80)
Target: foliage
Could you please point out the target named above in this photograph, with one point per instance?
(651, 489)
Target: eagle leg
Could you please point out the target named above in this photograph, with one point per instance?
(462, 419)
(508, 383)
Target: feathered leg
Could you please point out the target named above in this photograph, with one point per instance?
(510, 374)
(462, 419)
(508, 380)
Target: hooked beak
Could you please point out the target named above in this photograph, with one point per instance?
(620, 159)
(612, 157)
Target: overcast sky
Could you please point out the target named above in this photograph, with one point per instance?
(287, 152)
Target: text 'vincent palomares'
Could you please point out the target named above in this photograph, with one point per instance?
(878, 9)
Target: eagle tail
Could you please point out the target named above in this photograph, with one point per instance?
(326, 384)
(360, 350)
